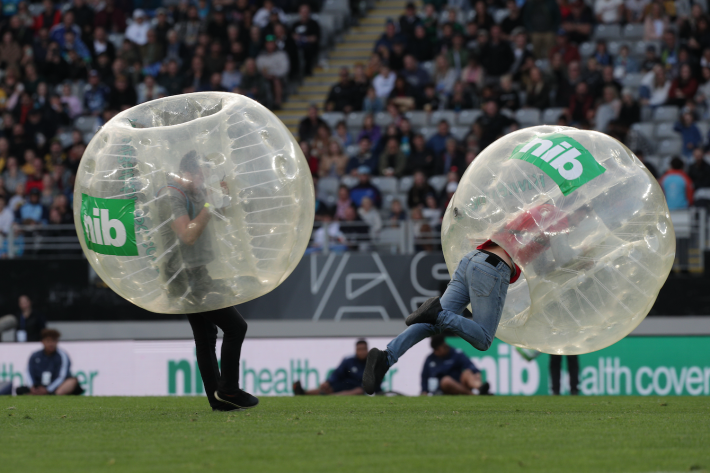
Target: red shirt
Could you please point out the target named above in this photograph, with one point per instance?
(488, 244)
(528, 234)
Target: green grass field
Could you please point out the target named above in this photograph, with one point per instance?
(176, 434)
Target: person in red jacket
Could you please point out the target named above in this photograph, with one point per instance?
(481, 279)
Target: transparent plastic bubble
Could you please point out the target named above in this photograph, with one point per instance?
(193, 203)
(586, 222)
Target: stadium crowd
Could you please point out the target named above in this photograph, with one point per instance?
(67, 68)
(447, 78)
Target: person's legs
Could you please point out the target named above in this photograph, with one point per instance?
(67, 387)
(555, 368)
(470, 379)
(487, 287)
(205, 334)
(449, 385)
(235, 329)
(573, 368)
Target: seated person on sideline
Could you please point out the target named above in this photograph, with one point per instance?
(345, 380)
(450, 371)
(50, 369)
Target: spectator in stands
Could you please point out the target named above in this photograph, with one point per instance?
(413, 73)
(650, 59)
(309, 125)
(568, 51)
(18, 199)
(635, 10)
(677, 186)
(261, 17)
(370, 130)
(30, 323)
(437, 143)
(372, 103)
(416, 196)
(49, 369)
(699, 173)
(581, 103)
(343, 202)
(421, 46)
(341, 97)
(497, 55)
(655, 23)
(96, 95)
(371, 216)
(624, 63)
(342, 135)
(431, 211)
(430, 100)
(689, 132)
(32, 212)
(420, 158)
(609, 11)
(450, 371)
(580, 23)
(392, 159)
(683, 87)
(363, 158)
(511, 22)
(444, 76)
(537, 93)
(402, 96)
(365, 188)
(306, 32)
(12, 176)
(451, 158)
(137, 32)
(334, 161)
(642, 157)
(148, 90)
(655, 87)
(7, 218)
(383, 83)
(542, 21)
(345, 380)
(491, 125)
(409, 21)
(396, 213)
(388, 38)
(608, 110)
(122, 95)
(507, 96)
(670, 50)
(274, 66)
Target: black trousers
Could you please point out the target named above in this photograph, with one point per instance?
(572, 368)
(204, 328)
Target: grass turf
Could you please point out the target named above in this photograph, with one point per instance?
(176, 434)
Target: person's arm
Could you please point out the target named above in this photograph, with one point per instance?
(63, 372)
(425, 376)
(338, 373)
(190, 230)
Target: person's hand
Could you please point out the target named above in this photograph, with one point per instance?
(225, 187)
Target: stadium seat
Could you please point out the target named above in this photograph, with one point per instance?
(116, 39)
(332, 118)
(704, 128)
(438, 183)
(389, 238)
(448, 115)
(460, 132)
(86, 124)
(633, 31)
(429, 67)
(65, 138)
(427, 131)
(382, 119)
(586, 49)
(528, 117)
(664, 130)
(609, 32)
(666, 113)
(640, 48)
(417, 118)
(613, 47)
(327, 186)
(352, 150)
(405, 183)
(500, 15)
(468, 117)
(670, 147)
(88, 136)
(633, 79)
(355, 119)
(550, 115)
(646, 129)
(657, 161)
(543, 65)
(349, 181)
(386, 185)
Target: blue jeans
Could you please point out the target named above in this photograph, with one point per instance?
(476, 281)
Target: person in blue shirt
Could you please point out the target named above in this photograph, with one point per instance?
(365, 188)
(345, 380)
(450, 371)
(32, 212)
(690, 133)
(437, 143)
(49, 370)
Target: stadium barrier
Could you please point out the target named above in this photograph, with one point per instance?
(634, 366)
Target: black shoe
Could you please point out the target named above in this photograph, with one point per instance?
(241, 399)
(375, 370)
(426, 313)
(484, 389)
(298, 389)
(227, 408)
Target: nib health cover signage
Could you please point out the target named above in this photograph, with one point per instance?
(636, 365)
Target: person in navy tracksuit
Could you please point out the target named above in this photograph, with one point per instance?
(346, 379)
(49, 370)
(450, 371)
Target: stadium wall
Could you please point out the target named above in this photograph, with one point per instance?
(634, 366)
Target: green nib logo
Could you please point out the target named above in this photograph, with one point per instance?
(109, 225)
(567, 162)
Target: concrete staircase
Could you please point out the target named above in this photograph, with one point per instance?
(356, 46)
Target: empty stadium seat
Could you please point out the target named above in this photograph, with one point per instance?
(352, 150)
(86, 124)
(88, 136)
(386, 185)
(349, 181)
(332, 118)
(609, 32)
(633, 31)
(639, 48)
(614, 47)
(417, 118)
(355, 119)
(460, 132)
(550, 115)
(665, 130)
(427, 131)
(528, 117)
(586, 49)
(704, 128)
(633, 79)
(383, 119)
(448, 115)
(666, 113)
(405, 183)
(468, 117)
(438, 182)
(646, 129)
(670, 147)
(327, 186)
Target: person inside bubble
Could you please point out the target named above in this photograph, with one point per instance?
(187, 204)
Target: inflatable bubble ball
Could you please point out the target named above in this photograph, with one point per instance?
(194, 202)
(586, 222)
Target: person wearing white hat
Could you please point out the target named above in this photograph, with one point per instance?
(137, 31)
